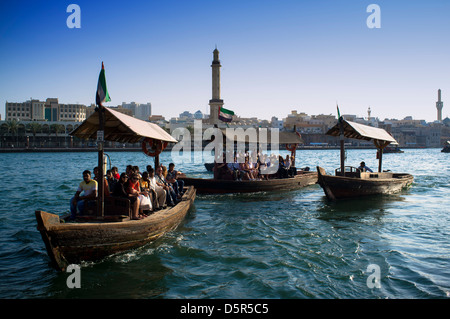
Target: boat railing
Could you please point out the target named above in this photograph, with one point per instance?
(115, 208)
(349, 171)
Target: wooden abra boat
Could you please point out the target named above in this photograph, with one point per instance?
(356, 183)
(218, 186)
(110, 230)
(95, 239)
(351, 182)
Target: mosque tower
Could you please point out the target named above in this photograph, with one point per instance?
(439, 106)
(215, 103)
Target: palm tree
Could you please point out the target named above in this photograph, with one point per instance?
(35, 127)
(13, 127)
(57, 128)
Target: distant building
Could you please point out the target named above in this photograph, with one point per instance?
(198, 115)
(50, 110)
(140, 111)
(186, 114)
(276, 123)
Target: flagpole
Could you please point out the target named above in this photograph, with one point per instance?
(102, 95)
(101, 191)
(341, 137)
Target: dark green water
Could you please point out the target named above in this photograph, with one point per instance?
(278, 245)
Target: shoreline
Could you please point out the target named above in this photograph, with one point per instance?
(138, 149)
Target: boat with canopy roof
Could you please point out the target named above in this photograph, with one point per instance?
(350, 182)
(291, 139)
(110, 229)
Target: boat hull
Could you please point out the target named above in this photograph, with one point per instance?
(338, 187)
(72, 243)
(215, 186)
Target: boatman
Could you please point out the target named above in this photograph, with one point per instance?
(363, 168)
(89, 188)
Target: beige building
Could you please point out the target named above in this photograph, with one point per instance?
(50, 110)
(20, 111)
(72, 112)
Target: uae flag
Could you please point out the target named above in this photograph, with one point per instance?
(225, 115)
(102, 92)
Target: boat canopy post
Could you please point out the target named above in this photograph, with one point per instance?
(341, 137)
(156, 161)
(380, 145)
(100, 141)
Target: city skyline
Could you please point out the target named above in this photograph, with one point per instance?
(275, 58)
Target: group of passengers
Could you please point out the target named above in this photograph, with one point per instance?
(148, 191)
(253, 168)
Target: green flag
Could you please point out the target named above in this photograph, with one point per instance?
(102, 92)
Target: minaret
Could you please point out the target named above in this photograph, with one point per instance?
(215, 103)
(368, 113)
(439, 106)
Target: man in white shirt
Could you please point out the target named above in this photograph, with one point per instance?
(89, 189)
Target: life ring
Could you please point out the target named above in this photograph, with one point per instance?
(155, 147)
(291, 147)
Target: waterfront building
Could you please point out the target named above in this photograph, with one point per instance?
(50, 110)
(19, 111)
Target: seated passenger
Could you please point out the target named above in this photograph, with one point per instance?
(246, 171)
(111, 180)
(120, 190)
(160, 198)
(363, 168)
(145, 187)
(134, 189)
(89, 188)
(171, 197)
(173, 178)
(115, 172)
(282, 171)
(234, 169)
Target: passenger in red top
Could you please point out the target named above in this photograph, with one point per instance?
(133, 189)
(115, 172)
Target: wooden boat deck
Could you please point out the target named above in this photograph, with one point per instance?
(69, 243)
(216, 186)
(337, 187)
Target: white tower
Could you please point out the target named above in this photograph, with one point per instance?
(215, 103)
(439, 106)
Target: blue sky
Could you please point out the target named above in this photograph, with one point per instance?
(276, 56)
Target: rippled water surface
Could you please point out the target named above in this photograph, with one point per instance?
(269, 245)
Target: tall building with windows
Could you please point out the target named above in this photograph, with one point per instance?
(140, 111)
(20, 111)
(50, 110)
